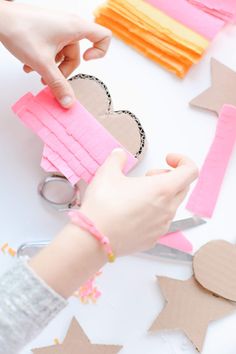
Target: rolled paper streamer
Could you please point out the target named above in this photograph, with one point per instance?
(153, 33)
(204, 197)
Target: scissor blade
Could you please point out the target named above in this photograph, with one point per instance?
(185, 224)
(167, 253)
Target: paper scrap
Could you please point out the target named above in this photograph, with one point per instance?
(89, 291)
(192, 17)
(6, 249)
(189, 308)
(203, 199)
(223, 9)
(214, 266)
(76, 143)
(76, 342)
(176, 240)
(222, 90)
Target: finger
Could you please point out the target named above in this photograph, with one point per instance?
(27, 69)
(58, 84)
(71, 59)
(184, 173)
(155, 172)
(59, 57)
(101, 38)
(115, 163)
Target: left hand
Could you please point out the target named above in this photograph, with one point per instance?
(48, 42)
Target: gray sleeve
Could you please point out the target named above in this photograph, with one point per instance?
(27, 305)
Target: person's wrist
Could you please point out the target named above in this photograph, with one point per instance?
(69, 261)
(82, 238)
(101, 222)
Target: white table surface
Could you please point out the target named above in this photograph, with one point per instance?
(131, 298)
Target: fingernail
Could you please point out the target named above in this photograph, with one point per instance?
(66, 101)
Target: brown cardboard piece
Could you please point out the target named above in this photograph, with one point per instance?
(76, 342)
(214, 267)
(222, 90)
(123, 125)
(189, 308)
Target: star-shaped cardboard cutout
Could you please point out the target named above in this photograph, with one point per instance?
(76, 342)
(189, 308)
(222, 90)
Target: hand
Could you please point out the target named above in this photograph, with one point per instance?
(48, 42)
(133, 212)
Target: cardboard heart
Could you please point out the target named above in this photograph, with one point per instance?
(93, 94)
(214, 268)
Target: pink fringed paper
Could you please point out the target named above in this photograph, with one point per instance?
(76, 143)
(176, 240)
(204, 197)
(223, 9)
(190, 16)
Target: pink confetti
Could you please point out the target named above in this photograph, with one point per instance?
(89, 292)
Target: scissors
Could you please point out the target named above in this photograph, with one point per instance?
(30, 249)
(57, 191)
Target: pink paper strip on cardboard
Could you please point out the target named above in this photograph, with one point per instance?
(76, 143)
(190, 16)
(204, 196)
(176, 240)
(223, 9)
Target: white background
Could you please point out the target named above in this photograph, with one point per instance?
(131, 298)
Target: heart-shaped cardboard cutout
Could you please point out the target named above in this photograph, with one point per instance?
(123, 125)
(214, 267)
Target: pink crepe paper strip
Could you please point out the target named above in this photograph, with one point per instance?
(176, 240)
(190, 16)
(76, 143)
(204, 196)
(223, 9)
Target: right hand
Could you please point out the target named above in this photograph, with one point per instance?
(133, 212)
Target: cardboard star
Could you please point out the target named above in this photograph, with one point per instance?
(76, 342)
(222, 90)
(189, 308)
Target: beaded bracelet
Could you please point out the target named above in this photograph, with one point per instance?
(82, 221)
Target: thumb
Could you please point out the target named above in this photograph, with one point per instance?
(115, 163)
(59, 85)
